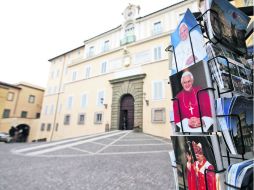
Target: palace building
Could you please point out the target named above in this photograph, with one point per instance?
(116, 80)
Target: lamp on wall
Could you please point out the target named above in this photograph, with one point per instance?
(145, 99)
(102, 102)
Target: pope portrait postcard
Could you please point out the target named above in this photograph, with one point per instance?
(192, 104)
(188, 43)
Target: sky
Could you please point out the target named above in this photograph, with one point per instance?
(34, 31)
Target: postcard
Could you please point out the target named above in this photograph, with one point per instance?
(189, 48)
(191, 102)
(227, 24)
(195, 156)
(238, 128)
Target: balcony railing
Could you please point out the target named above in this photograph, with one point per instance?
(127, 40)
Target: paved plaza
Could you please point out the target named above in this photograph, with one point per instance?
(114, 160)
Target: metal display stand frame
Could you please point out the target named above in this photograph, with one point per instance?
(221, 169)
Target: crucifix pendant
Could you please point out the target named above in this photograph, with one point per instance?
(191, 109)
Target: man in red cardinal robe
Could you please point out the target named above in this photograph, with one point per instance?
(200, 166)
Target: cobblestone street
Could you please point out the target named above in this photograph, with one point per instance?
(114, 160)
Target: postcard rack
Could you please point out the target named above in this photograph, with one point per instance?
(234, 187)
(229, 72)
(241, 151)
(227, 184)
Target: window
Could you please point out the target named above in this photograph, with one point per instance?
(69, 102)
(105, 46)
(31, 99)
(57, 73)
(103, 67)
(83, 102)
(157, 29)
(38, 115)
(6, 113)
(56, 129)
(87, 71)
(48, 126)
(157, 90)
(74, 76)
(81, 119)
(24, 114)
(10, 96)
(67, 119)
(46, 110)
(98, 118)
(157, 53)
(100, 98)
(129, 30)
(59, 108)
(158, 115)
(42, 126)
(49, 90)
(52, 75)
(91, 51)
(55, 89)
(52, 109)
(248, 3)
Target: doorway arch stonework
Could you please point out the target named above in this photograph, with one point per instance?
(132, 85)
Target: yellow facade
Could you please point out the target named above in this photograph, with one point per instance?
(132, 68)
(80, 84)
(3, 95)
(23, 102)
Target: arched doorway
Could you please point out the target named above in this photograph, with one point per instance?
(126, 112)
(23, 132)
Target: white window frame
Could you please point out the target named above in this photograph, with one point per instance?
(46, 110)
(49, 127)
(6, 113)
(157, 53)
(52, 74)
(52, 109)
(74, 75)
(129, 29)
(157, 27)
(43, 127)
(87, 71)
(83, 121)
(82, 104)
(10, 96)
(91, 51)
(95, 118)
(106, 45)
(99, 101)
(31, 99)
(154, 94)
(69, 103)
(104, 67)
(67, 122)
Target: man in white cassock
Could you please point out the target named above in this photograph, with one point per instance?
(183, 52)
